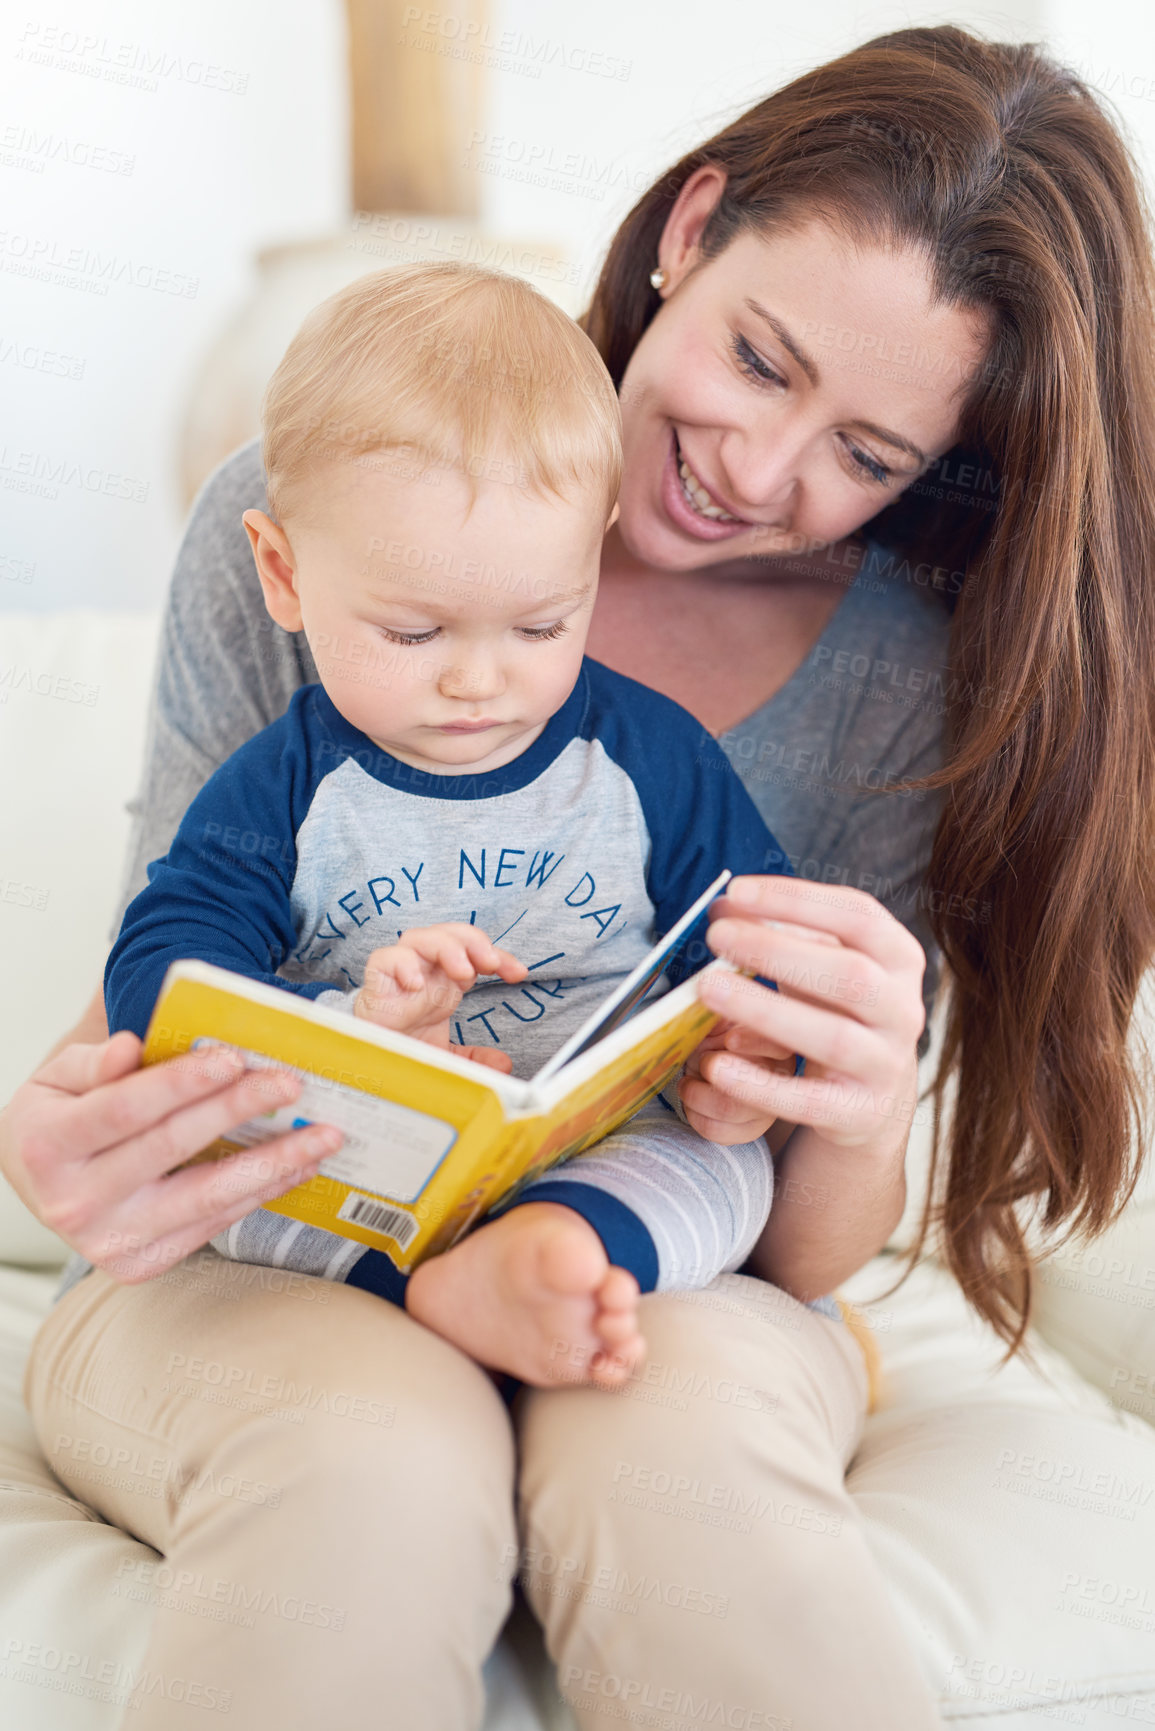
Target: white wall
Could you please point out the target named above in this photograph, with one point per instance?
(606, 137)
(1112, 46)
(140, 198)
(131, 203)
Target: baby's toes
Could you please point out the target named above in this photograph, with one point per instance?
(618, 1292)
(613, 1367)
(616, 1328)
(622, 1347)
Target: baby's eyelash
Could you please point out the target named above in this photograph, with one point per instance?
(409, 638)
(541, 633)
(532, 633)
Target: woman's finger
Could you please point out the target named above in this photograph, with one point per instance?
(857, 920)
(77, 1068)
(112, 1113)
(859, 988)
(169, 1220)
(818, 972)
(844, 1109)
(749, 1044)
(120, 1171)
(823, 1036)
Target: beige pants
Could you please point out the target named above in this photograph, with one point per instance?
(331, 1489)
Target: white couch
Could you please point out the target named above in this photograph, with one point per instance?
(966, 1481)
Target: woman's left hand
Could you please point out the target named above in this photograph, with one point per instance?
(849, 999)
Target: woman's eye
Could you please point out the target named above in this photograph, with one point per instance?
(539, 633)
(408, 637)
(877, 471)
(752, 364)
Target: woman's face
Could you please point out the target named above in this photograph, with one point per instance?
(784, 392)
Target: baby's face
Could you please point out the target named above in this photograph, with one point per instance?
(449, 636)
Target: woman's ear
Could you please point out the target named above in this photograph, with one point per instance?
(692, 209)
(276, 569)
(614, 515)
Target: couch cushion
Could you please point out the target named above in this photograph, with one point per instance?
(69, 1639)
(1093, 1302)
(1013, 1512)
(73, 697)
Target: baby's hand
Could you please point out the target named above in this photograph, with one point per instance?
(712, 1112)
(414, 985)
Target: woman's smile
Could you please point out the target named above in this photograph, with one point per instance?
(700, 495)
(690, 505)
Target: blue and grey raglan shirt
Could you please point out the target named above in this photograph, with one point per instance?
(310, 847)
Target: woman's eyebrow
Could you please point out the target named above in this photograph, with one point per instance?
(810, 368)
(895, 439)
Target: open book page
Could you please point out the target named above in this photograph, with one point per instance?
(625, 999)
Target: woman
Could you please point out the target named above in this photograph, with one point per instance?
(884, 352)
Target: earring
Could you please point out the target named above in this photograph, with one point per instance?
(658, 278)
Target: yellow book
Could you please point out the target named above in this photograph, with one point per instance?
(432, 1140)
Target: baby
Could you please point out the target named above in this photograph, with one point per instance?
(443, 454)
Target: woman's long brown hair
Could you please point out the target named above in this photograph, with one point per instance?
(1007, 174)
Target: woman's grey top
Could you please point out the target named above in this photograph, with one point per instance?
(863, 711)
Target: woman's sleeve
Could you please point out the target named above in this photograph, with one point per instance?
(224, 669)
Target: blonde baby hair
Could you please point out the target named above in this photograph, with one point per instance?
(453, 364)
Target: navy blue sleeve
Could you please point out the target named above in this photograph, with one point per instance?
(222, 892)
(699, 816)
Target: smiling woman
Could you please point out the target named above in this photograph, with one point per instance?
(763, 431)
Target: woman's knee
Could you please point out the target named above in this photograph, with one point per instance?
(730, 1372)
(305, 1390)
(360, 1393)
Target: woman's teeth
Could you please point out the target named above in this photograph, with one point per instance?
(698, 497)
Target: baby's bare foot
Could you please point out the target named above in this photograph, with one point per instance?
(533, 1293)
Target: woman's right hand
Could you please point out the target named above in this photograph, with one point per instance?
(89, 1143)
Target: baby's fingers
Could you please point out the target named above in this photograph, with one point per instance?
(447, 947)
(503, 963)
(464, 952)
(489, 1056)
(394, 969)
(484, 957)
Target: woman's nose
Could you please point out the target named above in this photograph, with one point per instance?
(761, 469)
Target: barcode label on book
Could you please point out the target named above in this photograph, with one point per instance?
(379, 1217)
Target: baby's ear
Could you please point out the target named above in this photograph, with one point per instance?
(276, 568)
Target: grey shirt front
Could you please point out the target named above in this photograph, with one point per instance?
(863, 712)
